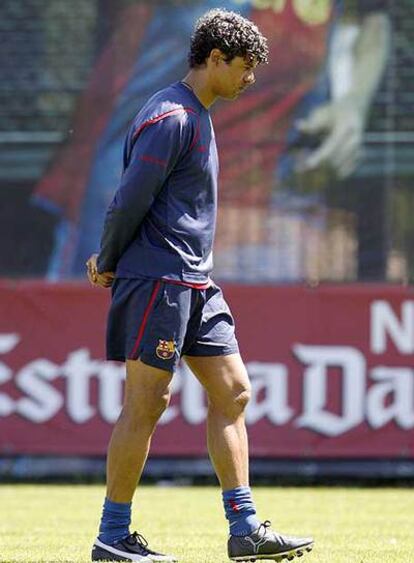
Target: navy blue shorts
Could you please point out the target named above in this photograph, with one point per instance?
(158, 322)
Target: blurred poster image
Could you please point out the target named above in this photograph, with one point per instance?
(316, 159)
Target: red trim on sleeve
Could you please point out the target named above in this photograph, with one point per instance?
(148, 158)
(145, 319)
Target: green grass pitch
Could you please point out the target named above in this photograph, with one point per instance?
(45, 523)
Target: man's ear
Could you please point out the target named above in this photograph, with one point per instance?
(216, 56)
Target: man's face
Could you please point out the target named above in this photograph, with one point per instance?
(230, 79)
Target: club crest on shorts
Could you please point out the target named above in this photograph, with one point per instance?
(165, 349)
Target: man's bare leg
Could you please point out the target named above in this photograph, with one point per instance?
(228, 389)
(226, 382)
(146, 397)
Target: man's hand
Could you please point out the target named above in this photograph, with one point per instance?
(342, 123)
(102, 280)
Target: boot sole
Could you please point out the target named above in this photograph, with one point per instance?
(99, 554)
(288, 555)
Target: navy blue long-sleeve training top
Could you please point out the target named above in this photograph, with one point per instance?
(162, 219)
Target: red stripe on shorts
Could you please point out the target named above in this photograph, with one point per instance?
(145, 318)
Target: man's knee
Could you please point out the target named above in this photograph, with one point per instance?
(233, 403)
(226, 382)
(145, 411)
(147, 395)
(243, 398)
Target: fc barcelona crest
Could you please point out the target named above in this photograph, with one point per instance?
(165, 349)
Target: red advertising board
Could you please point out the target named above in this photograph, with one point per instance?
(332, 372)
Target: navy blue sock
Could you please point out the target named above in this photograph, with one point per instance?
(240, 511)
(116, 518)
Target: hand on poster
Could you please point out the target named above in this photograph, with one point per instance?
(332, 133)
(340, 126)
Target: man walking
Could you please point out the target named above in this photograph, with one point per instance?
(156, 253)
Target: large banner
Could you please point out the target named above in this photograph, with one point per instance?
(316, 159)
(332, 371)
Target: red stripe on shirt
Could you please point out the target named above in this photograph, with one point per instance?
(159, 117)
(197, 136)
(148, 158)
(145, 318)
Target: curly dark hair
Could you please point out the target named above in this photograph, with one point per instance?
(230, 32)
